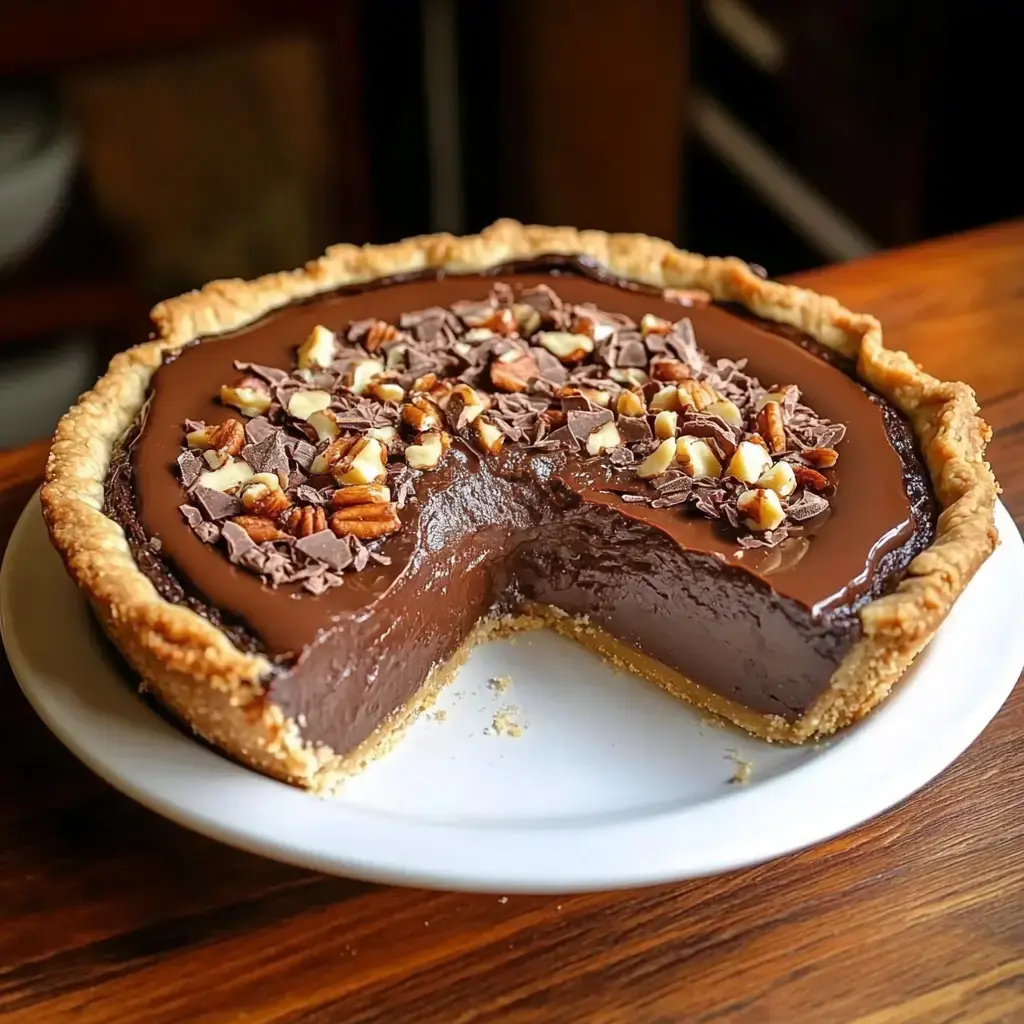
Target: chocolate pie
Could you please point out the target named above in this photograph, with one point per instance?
(299, 507)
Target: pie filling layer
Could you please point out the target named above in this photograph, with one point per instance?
(760, 616)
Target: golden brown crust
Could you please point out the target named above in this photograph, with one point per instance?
(219, 690)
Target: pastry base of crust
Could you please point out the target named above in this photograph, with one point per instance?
(218, 689)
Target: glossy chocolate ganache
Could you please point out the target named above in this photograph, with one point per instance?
(355, 618)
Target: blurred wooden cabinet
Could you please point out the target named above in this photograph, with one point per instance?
(852, 124)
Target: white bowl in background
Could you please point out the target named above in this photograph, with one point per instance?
(38, 152)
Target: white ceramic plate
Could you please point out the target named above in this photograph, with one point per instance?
(611, 782)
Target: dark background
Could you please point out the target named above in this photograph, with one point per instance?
(233, 137)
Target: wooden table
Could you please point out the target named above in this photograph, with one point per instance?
(110, 914)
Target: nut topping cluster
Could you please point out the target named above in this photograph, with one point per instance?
(311, 467)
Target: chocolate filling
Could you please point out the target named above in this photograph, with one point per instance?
(764, 627)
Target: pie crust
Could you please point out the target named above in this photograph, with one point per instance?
(195, 670)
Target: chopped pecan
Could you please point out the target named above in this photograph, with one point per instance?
(259, 528)
(326, 460)
(304, 520)
(250, 396)
(696, 393)
(807, 477)
(823, 458)
(761, 508)
(488, 436)
(771, 427)
(228, 437)
(670, 370)
(363, 463)
(515, 373)
(651, 324)
(425, 383)
(500, 321)
(380, 331)
(263, 496)
(421, 414)
(553, 418)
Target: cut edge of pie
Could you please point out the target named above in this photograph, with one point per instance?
(217, 689)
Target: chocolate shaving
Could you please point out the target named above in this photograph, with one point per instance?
(192, 515)
(668, 501)
(306, 494)
(526, 406)
(270, 374)
(806, 507)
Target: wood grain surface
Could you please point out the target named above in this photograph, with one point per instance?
(108, 914)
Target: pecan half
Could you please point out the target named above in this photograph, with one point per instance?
(771, 427)
(670, 370)
(304, 521)
(807, 477)
(371, 512)
(823, 458)
(380, 331)
(370, 526)
(259, 528)
(361, 494)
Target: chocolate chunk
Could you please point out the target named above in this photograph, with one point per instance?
(633, 429)
(635, 498)
(712, 428)
(577, 403)
(238, 542)
(621, 457)
(259, 428)
(676, 498)
(325, 547)
(631, 351)
(303, 453)
(216, 504)
(548, 366)
(268, 455)
(582, 424)
(191, 467)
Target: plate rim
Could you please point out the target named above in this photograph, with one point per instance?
(650, 849)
